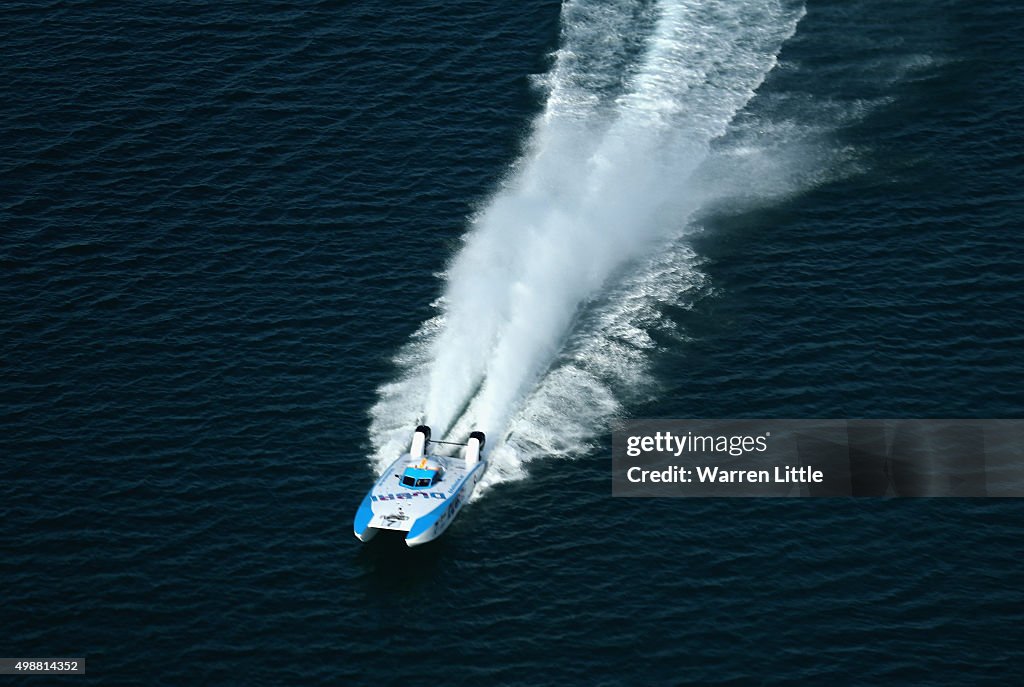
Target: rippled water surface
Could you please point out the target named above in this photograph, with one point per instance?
(234, 272)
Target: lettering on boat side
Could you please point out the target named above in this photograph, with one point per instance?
(408, 496)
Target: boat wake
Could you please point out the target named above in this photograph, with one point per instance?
(552, 306)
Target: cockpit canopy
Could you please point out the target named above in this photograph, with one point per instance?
(421, 475)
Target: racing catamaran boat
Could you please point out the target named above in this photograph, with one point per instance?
(420, 493)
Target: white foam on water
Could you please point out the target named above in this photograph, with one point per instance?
(549, 309)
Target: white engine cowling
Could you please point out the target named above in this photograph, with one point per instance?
(474, 447)
(419, 442)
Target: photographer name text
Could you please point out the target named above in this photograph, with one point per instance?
(712, 474)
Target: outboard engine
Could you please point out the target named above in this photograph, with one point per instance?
(474, 447)
(420, 437)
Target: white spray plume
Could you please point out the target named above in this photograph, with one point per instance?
(636, 100)
(585, 201)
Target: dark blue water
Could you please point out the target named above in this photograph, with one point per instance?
(222, 221)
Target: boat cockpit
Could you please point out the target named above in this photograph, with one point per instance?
(423, 474)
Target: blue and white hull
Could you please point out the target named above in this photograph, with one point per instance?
(421, 493)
